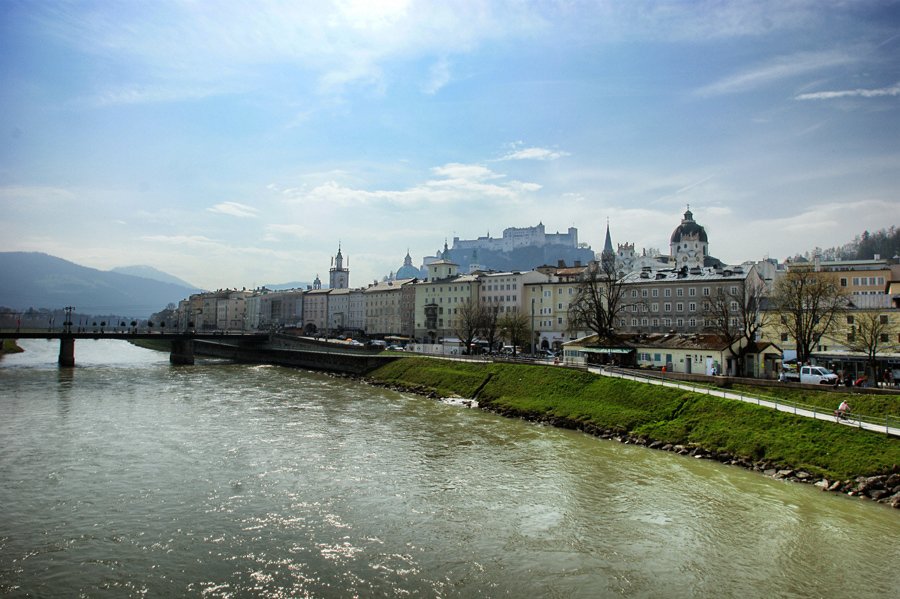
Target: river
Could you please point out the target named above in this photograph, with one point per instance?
(126, 476)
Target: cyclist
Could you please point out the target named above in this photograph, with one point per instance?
(842, 410)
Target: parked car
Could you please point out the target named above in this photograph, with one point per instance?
(815, 375)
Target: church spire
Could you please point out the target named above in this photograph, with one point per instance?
(608, 256)
(607, 245)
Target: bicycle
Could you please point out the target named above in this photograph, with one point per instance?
(842, 416)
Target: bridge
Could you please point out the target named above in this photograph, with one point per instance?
(182, 344)
(254, 348)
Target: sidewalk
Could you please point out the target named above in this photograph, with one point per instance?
(818, 414)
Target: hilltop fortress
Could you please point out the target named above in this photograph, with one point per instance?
(520, 248)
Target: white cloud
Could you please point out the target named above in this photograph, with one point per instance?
(275, 231)
(453, 183)
(456, 171)
(36, 193)
(189, 240)
(893, 90)
(174, 45)
(438, 77)
(782, 67)
(235, 209)
(534, 154)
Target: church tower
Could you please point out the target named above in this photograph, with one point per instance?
(338, 276)
(689, 245)
(608, 257)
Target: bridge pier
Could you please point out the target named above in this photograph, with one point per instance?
(67, 352)
(182, 352)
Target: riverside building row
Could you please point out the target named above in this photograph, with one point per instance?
(666, 300)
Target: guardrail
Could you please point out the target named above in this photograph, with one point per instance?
(862, 421)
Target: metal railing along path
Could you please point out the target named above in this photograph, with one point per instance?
(879, 425)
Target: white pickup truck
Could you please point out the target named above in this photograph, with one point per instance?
(815, 375)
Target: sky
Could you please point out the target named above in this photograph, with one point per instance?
(234, 144)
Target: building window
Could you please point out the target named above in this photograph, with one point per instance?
(883, 319)
(850, 320)
(843, 281)
(679, 307)
(784, 336)
(654, 307)
(706, 291)
(679, 292)
(655, 292)
(667, 307)
(692, 307)
(667, 292)
(883, 337)
(692, 291)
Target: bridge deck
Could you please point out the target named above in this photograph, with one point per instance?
(134, 335)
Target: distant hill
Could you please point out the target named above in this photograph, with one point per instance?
(148, 272)
(37, 280)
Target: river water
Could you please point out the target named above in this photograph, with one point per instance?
(126, 476)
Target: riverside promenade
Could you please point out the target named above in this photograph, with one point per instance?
(887, 426)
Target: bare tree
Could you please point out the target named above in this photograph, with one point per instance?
(514, 328)
(469, 318)
(490, 328)
(599, 300)
(871, 333)
(808, 305)
(736, 315)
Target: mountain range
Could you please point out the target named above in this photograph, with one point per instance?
(38, 280)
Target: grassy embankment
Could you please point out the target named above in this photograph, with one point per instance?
(154, 344)
(862, 403)
(659, 413)
(10, 347)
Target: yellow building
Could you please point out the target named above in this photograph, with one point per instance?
(439, 299)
